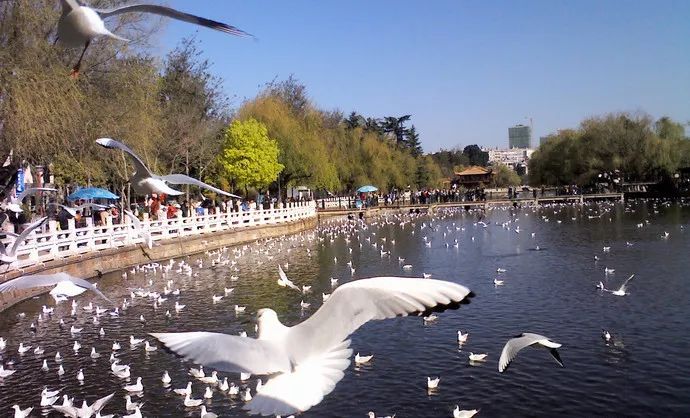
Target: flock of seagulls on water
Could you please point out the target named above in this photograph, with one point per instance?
(303, 362)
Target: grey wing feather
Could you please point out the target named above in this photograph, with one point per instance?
(513, 346)
(227, 353)
(174, 14)
(25, 233)
(141, 168)
(183, 179)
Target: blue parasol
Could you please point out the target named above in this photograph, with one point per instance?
(367, 189)
(92, 193)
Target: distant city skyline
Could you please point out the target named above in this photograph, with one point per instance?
(461, 69)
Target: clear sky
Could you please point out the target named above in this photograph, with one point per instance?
(464, 70)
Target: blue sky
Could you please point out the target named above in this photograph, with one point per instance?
(464, 70)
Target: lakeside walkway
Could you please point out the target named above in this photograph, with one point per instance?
(345, 205)
(55, 245)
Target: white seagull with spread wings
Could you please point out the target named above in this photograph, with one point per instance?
(621, 291)
(15, 205)
(307, 360)
(45, 280)
(145, 182)
(523, 340)
(80, 24)
(8, 255)
(283, 281)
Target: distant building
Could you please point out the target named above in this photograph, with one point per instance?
(473, 177)
(520, 136)
(515, 158)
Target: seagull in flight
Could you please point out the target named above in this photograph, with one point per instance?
(73, 211)
(45, 280)
(15, 205)
(8, 255)
(81, 24)
(307, 360)
(523, 340)
(284, 281)
(145, 182)
(144, 234)
(621, 290)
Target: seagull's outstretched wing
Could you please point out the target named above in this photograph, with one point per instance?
(285, 279)
(71, 211)
(514, 345)
(44, 280)
(228, 353)
(68, 411)
(25, 233)
(148, 240)
(33, 190)
(625, 283)
(100, 403)
(183, 179)
(173, 14)
(353, 304)
(140, 167)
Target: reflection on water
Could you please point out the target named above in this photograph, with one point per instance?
(643, 372)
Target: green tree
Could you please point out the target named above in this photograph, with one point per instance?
(504, 176)
(476, 156)
(249, 157)
(412, 142)
(666, 128)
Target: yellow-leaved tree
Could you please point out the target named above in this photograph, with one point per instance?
(249, 157)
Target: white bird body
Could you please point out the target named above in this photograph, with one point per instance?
(477, 357)
(514, 345)
(307, 360)
(19, 413)
(206, 414)
(166, 378)
(189, 402)
(186, 391)
(137, 387)
(363, 359)
(462, 338)
(5, 373)
(432, 383)
(464, 413)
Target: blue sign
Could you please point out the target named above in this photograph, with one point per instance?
(20, 180)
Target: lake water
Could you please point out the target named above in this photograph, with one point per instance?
(644, 372)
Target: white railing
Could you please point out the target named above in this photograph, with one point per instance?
(56, 244)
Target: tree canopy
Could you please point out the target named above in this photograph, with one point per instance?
(249, 157)
(636, 146)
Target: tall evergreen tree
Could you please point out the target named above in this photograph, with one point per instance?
(412, 142)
